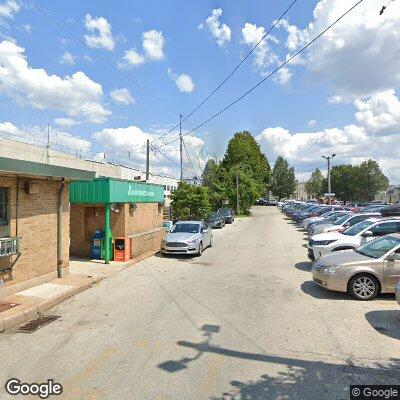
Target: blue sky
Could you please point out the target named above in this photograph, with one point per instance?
(335, 99)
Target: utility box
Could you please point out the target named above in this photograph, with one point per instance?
(95, 250)
(122, 249)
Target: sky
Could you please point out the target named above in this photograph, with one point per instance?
(104, 77)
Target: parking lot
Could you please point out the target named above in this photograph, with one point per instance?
(243, 321)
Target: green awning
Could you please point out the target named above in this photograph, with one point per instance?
(30, 168)
(108, 190)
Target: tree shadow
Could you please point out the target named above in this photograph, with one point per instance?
(298, 378)
(386, 322)
(303, 266)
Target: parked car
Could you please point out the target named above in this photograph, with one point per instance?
(365, 272)
(188, 237)
(397, 292)
(321, 214)
(261, 202)
(215, 220)
(353, 237)
(167, 225)
(389, 211)
(330, 218)
(343, 222)
(227, 214)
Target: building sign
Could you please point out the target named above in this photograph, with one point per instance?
(108, 190)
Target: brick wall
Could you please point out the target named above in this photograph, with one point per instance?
(37, 227)
(143, 224)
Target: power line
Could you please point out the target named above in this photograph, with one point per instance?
(171, 160)
(233, 71)
(60, 24)
(188, 156)
(269, 75)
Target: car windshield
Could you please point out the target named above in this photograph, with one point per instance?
(213, 217)
(224, 211)
(336, 216)
(342, 219)
(357, 228)
(377, 248)
(186, 228)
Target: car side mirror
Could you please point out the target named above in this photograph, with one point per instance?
(393, 257)
(367, 234)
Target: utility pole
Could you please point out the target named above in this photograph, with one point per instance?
(328, 159)
(237, 192)
(148, 160)
(48, 144)
(181, 145)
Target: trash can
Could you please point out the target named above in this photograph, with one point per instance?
(122, 249)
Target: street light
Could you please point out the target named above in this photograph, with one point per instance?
(328, 159)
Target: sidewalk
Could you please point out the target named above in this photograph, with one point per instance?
(27, 304)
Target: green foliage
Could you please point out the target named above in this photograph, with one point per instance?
(315, 185)
(283, 181)
(357, 182)
(370, 180)
(244, 157)
(215, 178)
(190, 202)
(344, 182)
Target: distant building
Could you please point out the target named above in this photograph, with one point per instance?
(391, 195)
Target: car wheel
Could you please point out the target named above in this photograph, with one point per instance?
(199, 253)
(363, 287)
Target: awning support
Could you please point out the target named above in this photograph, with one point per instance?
(107, 233)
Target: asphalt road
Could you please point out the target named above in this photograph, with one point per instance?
(244, 321)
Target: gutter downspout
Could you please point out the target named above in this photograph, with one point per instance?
(59, 229)
(107, 237)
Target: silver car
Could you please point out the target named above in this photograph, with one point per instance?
(364, 272)
(188, 237)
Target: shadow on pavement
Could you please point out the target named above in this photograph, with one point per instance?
(303, 266)
(312, 289)
(298, 378)
(386, 322)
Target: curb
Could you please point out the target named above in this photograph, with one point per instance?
(31, 312)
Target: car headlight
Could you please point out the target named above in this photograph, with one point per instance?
(323, 242)
(192, 241)
(332, 269)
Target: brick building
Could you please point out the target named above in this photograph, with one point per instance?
(134, 210)
(34, 215)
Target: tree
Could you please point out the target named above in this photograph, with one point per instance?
(344, 182)
(315, 185)
(244, 157)
(283, 180)
(244, 151)
(190, 202)
(370, 180)
(215, 179)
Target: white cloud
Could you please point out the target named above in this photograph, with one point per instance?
(76, 95)
(311, 122)
(153, 45)
(101, 36)
(376, 137)
(220, 31)
(153, 50)
(379, 113)
(66, 122)
(359, 56)
(283, 76)
(133, 139)
(9, 8)
(38, 135)
(184, 82)
(122, 96)
(133, 58)
(263, 55)
(67, 58)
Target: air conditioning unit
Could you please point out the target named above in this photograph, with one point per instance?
(9, 247)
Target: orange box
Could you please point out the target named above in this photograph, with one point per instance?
(122, 249)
